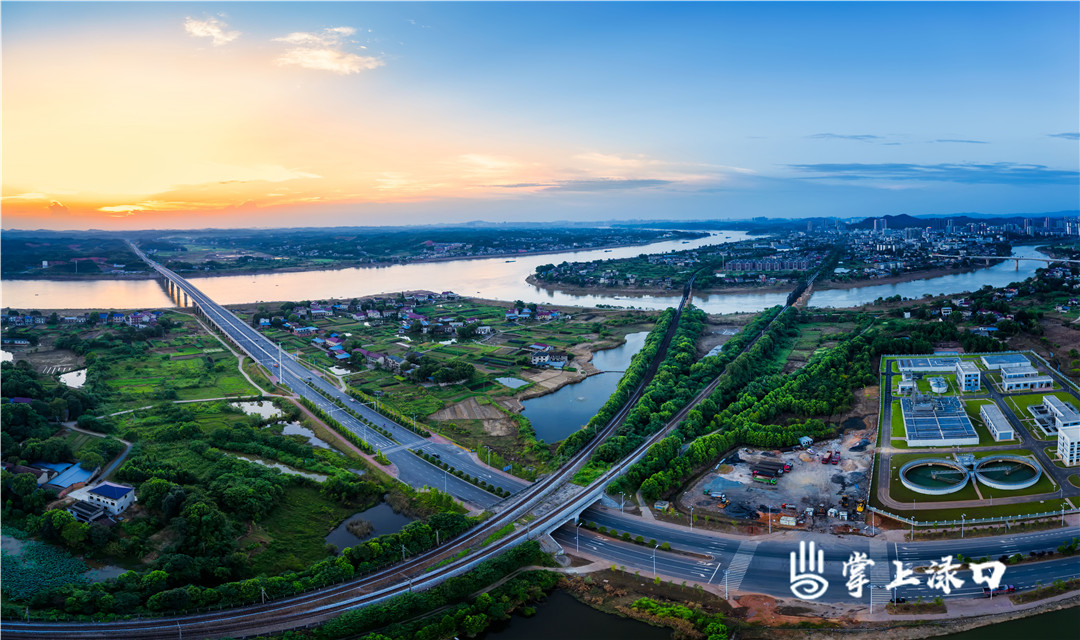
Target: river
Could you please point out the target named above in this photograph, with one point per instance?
(492, 278)
(999, 275)
(556, 415)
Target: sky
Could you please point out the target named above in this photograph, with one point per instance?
(191, 115)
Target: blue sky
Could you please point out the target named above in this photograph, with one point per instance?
(431, 112)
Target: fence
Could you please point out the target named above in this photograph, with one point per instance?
(971, 521)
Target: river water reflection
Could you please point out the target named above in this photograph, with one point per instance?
(492, 278)
(999, 275)
(559, 414)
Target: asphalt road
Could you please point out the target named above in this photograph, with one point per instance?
(412, 469)
(764, 566)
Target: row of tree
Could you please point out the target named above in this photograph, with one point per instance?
(635, 374)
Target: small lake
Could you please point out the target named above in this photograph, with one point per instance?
(262, 408)
(384, 520)
(74, 379)
(296, 429)
(559, 414)
(561, 616)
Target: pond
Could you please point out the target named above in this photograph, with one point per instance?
(513, 383)
(561, 616)
(317, 477)
(74, 379)
(262, 408)
(296, 429)
(556, 415)
(383, 519)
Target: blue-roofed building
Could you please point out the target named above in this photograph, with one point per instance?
(115, 498)
(341, 356)
(997, 361)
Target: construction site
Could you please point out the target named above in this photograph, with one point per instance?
(819, 486)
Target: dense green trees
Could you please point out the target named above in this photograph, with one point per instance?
(635, 373)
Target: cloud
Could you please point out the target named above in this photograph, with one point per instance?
(996, 173)
(1066, 136)
(958, 141)
(862, 137)
(211, 28)
(600, 184)
(325, 51)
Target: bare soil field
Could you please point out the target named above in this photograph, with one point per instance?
(495, 422)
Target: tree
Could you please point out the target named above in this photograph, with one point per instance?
(475, 624)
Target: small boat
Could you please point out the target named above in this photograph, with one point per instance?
(607, 250)
(511, 260)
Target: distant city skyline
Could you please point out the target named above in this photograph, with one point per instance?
(195, 115)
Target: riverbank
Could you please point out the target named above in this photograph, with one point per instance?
(338, 266)
(641, 292)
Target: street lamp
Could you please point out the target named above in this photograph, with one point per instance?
(725, 584)
(963, 518)
(577, 537)
(622, 502)
(654, 561)
(691, 517)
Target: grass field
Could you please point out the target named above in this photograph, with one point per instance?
(292, 536)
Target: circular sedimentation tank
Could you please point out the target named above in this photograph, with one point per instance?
(934, 476)
(938, 385)
(1008, 473)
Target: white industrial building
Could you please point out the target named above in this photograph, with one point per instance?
(936, 421)
(997, 361)
(967, 376)
(996, 422)
(1024, 377)
(1068, 445)
(927, 365)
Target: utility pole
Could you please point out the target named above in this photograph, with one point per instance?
(403, 553)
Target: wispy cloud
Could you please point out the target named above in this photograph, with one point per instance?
(960, 141)
(862, 137)
(600, 184)
(996, 173)
(1066, 136)
(212, 28)
(325, 50)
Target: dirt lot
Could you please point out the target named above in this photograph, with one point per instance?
(808, 484)
(494, 421)
(44, 359)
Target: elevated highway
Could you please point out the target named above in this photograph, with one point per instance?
(412, 469)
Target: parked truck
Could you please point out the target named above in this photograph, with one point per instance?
(825, 458)
(836, 457)
(764, 479)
